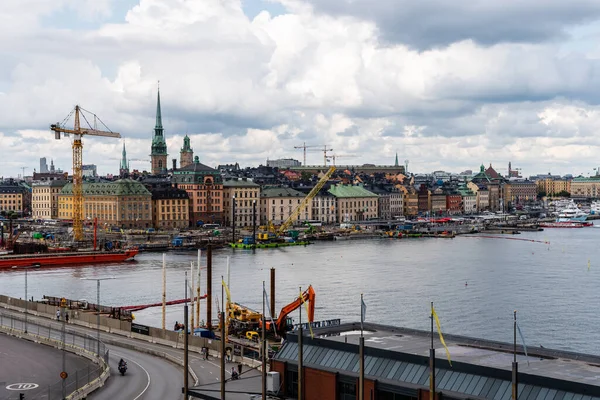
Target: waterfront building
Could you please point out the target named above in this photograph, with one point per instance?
(552, 186)
(124, 203)
(13, 198)
(396, 367)
(493, 182)
(424, 199)
(469, 200)
(170, 208)
(158, 155)
(204, 186)
(245, 193)
(438, 202)
(283, 163)
(186, 155)
(585, 188)
(482, 194)
(324, 207)
(518, 190)
(410, 201)
(384, 202)
(354, 203)
(396, 203)
(44, 199)
(277, 204)
(454, 203)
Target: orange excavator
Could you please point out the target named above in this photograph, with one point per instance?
(283, 322)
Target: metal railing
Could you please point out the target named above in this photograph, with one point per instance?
(76, 379)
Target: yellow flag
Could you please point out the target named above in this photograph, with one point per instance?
(307, 313)
(226, 291)
(439, 329)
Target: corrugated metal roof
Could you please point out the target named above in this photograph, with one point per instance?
(350, 191)
(418, 374)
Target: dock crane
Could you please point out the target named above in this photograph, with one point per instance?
(305, 201)
(78, 132)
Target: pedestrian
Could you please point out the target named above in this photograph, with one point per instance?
(240, 368)
(228, 355)
(57, 314)
(176, 326)
(67, 316)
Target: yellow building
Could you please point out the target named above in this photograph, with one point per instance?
(124, 203)
(410, 201)
(44, 199)
(585, 188)
(245, 193)
(170, 207)
(553, 186)
(12, 198)
(277, 204)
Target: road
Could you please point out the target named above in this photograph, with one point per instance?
(22, 361)
(147, 378)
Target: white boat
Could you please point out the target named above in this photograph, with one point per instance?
(572, 214)
(595, 207)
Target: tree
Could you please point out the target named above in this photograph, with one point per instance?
(563, 193)
(541, 194)
(305, 176)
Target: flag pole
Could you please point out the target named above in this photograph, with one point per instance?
(361, 351)
(515, 364)
(432, 362)
(300, 356)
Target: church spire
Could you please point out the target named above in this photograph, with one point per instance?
(124, 157)
(396, 164)
(158, 125)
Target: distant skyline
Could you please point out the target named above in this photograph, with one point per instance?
(447, 85)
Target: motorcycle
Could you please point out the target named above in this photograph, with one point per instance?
(122, 369)
(235, 376)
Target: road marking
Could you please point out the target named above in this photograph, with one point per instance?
(22, 386)
(147, 375)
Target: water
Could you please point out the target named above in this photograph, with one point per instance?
(551, 286)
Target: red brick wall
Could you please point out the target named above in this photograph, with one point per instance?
(319, 385)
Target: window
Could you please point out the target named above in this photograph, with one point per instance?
(346, 391)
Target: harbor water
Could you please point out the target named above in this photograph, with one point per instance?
(475, 283)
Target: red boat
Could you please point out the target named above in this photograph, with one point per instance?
(62, 259)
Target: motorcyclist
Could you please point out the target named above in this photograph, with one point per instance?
(122, 363)
(234, 373)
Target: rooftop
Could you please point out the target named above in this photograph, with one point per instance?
(240, 182)
(480, 368)
(350, 191)
(122, 187)
(281, 192)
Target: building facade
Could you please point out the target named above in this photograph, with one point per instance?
(324, 208)
(186, 155)
(517, 190)
(44, 199)
(438, 202)
(482, 194)
(283, 163)
(551, 187)
(13, 198)
(278, 204)
(158, 155)
(410, 202)
(204, 186)
(585, 188)
(424, 199)
(124, 203)
(170, 208)
(355, 203)
(245, 193)
(469, 200)
(454, 204)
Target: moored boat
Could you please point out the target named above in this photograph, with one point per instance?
(563, 224)
(60, 259)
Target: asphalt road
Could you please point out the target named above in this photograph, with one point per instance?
(22, 361)
(147, 378)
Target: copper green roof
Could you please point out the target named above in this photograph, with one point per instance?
(122, 187)
(281, 192)
(350, 191)
(595, 178)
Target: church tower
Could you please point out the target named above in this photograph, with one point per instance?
(159, 154)
(124, 167)
(186, 156)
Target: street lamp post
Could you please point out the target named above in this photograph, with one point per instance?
(98, 305)
(26, 298)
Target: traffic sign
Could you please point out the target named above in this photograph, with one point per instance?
(63, 302)
(22, 386)
(64, 375)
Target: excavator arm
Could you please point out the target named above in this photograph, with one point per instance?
(307, 296)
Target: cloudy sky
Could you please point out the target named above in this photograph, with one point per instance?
(447, 85)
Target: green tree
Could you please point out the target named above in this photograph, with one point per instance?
(563, 193)
(305, 176)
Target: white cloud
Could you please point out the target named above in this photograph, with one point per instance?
(247, 89)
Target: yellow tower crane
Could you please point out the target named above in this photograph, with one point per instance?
(78, 133)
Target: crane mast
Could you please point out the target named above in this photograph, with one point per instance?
(306, 200)
(77, 146)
